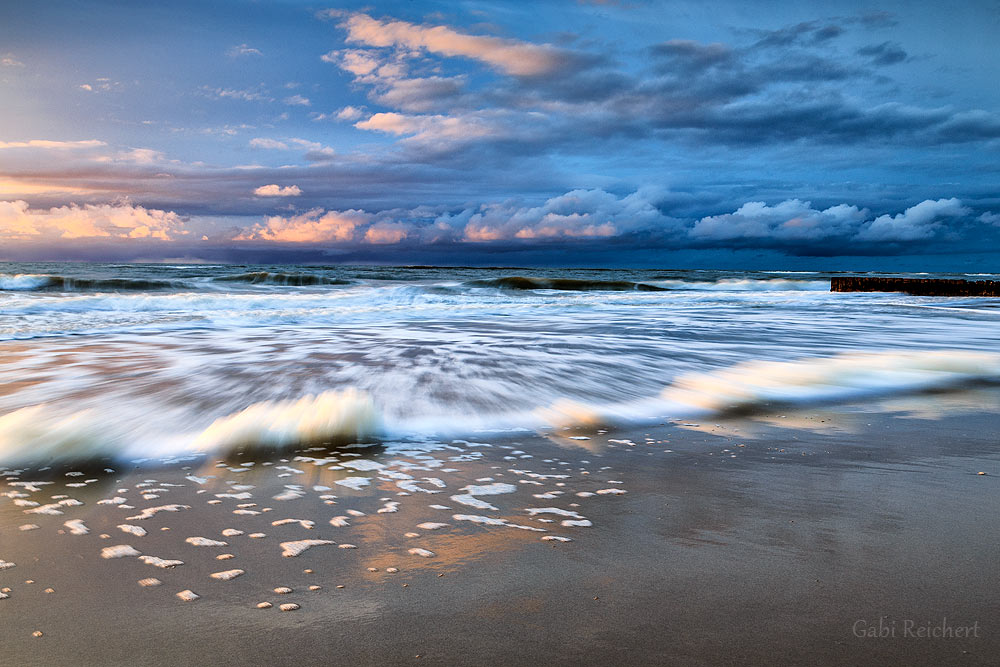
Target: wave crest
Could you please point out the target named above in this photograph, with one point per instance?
(33, 282)
(331, 415)
(564, 284)
(284, 279)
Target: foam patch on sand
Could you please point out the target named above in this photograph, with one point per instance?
(163, 563)
(305, 523)
(119, 551)
(423, 553)
(76, 527)
(227, 574)
(296, 547)
(471, 491)
(150, 512)
(356, 483)
(490, 521)
(205, 542)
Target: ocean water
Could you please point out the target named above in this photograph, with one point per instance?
(160, 361)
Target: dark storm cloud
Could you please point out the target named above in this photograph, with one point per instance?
(886, 53)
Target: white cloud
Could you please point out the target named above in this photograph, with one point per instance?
(107, 221)
(349, 113)
(8, 60)
(579, 213)
(795, 220)
(355, 61)
(917, 222)
(297, 101)
(990, 218)
(274, 190)
(243, 50)
(257, 93)
(102, 84)
(315, 151)
(271, 144)
(792, 219)
(142, 156)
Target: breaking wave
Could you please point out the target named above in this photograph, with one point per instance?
(34, 282)
(37, 434)
(564, 284)
(284, 279)
(332, 415)
(749, 285)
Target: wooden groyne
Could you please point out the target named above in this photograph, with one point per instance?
(916, 286)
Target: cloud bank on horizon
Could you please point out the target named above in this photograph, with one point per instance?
(459, 131)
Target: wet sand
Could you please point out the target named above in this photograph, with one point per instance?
(763, 539)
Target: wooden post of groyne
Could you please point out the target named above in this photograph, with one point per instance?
(916, 286)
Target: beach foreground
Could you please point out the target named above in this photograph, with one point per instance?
(771, 538)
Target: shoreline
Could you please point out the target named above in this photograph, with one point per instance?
(824, 518)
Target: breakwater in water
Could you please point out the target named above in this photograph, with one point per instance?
(916, 286)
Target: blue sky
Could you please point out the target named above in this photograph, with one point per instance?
(609, 133)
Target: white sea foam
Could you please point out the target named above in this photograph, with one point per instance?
(356, 483)
(45, 432)
(150, 512)
(205, 542)
(162, 563)
(119, 551)
(77, 527)
(52, 509)
(490, 521)
(329, 415)
(305, 523)
(423, 553)
(24, 281)
(838, 377)
(227, 574)
(431, 525)
(296, 547)
(749, 285)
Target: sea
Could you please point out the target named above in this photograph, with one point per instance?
(157, 362)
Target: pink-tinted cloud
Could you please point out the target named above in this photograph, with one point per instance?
(315, 226)
(59, 145)
(437, 130)
(274, 190)
(106, 221)
(509, 56)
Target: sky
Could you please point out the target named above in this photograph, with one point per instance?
(590, 133)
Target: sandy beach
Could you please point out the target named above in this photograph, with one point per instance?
(770, 538)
